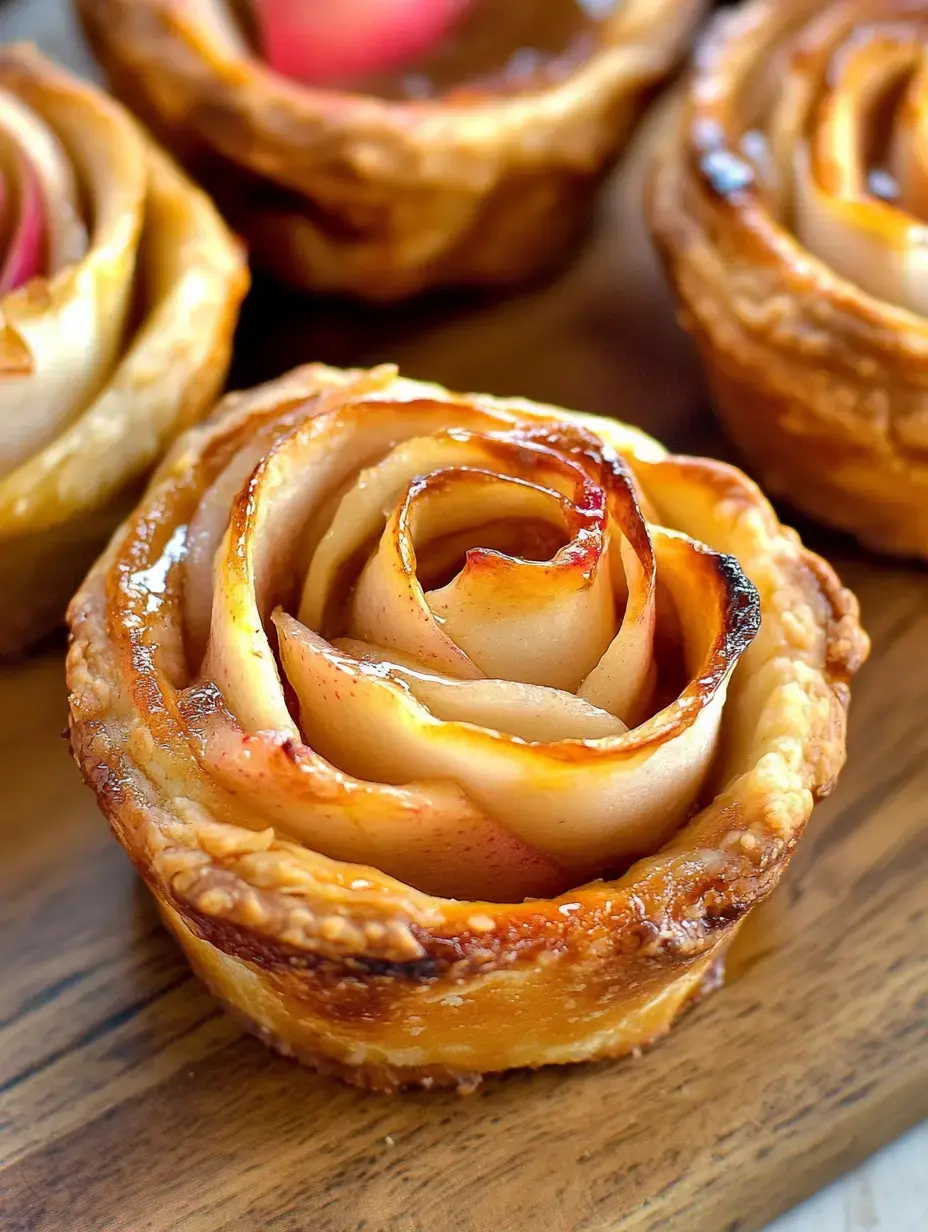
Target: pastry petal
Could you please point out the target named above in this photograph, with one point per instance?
(431, 851)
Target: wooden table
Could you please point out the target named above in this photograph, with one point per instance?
(129, 1102)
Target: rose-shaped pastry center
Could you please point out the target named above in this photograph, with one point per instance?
(455, 622)
(422, 48)
(831, 132)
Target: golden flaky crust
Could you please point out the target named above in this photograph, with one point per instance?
(163, 249)
(822, 385)
(358, 973)
(378, 199)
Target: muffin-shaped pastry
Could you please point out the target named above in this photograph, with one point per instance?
(460, 143)
(454, 733)
(119, 289)
(791, 206)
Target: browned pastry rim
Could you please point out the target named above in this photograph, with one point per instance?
(822, 386)
(375, 198)
(348, 967)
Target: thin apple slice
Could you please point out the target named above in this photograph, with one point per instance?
(48, 184)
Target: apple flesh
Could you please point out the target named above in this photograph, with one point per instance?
(22, 223)
(324, 41)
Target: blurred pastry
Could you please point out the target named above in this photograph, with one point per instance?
(119, 290)
(454, 733)
(790, 203)
(455, 142)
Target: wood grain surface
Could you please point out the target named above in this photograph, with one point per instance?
(130, 1103)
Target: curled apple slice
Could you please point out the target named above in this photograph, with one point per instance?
(49, 196)
(371, 718)
(879, 245)
(24, 252)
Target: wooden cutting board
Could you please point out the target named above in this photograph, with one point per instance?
(130, 1103)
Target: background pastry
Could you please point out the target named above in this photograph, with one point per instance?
(790, 206)
(119, 289)
(377, 675)
(474, 161)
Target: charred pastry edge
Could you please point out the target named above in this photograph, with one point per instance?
(358, 188)
(385, 1079)
(800, 359)
(667, 913)
(54, 546)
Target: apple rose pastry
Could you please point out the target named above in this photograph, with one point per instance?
(791, 205)
(379, 147)
(119, 287)
(450, 732)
